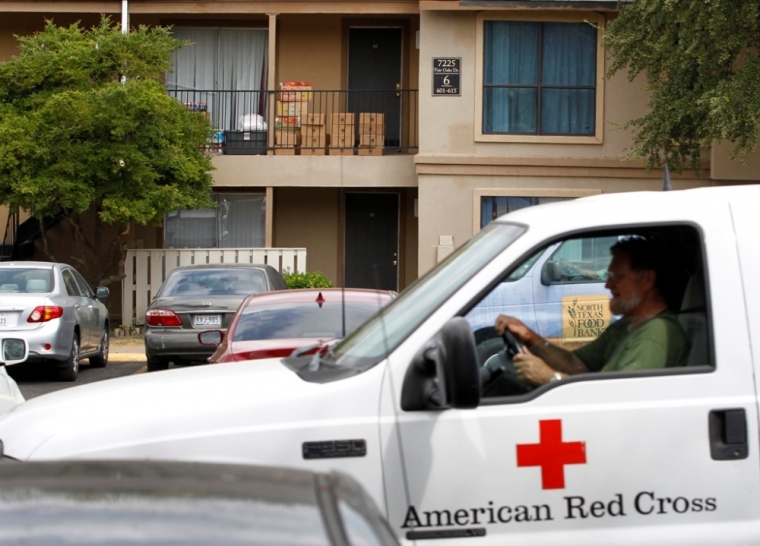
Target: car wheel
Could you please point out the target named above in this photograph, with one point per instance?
(101, 359)
(70, 368)
(156, 364)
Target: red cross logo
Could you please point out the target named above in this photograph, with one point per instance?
(551, 454)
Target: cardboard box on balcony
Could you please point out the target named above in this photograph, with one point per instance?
(313, 141)
(285, 151)
(312, 119)
(311, 131)
(244, 143)
(295, 91)
(341, 141)
(287, 122)
(371, 151)
(371, 128)
(289, 109)
(342, 130)
(372, 118)
(371, 141)
(287, 138)
(342, 118)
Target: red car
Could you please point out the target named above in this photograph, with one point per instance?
(274, 324)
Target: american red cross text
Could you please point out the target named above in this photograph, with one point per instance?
(551, 454)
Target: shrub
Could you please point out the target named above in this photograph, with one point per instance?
(315, 279)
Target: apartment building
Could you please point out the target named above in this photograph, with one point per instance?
(416, 121)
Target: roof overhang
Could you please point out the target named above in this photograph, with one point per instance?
(543, 4)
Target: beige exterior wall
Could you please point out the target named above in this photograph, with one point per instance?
(740, 169)
(317, 171)
(309, 218)
(309, 48)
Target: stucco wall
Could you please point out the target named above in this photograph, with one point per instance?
(722, 166)
(309, 48)
(309, 217)
(285, 170)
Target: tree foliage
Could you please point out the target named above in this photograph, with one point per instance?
(700, 60)
(85, 124)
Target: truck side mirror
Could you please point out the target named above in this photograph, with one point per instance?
(445, 372)
(14, 351)
(550, 273)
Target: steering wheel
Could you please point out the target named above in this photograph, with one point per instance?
(498, 374)
(512, 345)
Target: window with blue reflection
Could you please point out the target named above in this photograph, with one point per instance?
(539, 78)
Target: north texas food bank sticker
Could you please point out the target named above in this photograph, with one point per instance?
(551, 454)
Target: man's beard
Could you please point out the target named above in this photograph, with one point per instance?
(619, 306)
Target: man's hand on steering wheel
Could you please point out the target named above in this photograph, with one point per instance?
(532, 369)
(523, 334)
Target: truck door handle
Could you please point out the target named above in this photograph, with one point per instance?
(728, 434)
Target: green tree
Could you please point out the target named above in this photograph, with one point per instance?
(86, 125)
(700, 60)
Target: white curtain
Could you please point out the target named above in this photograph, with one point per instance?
(223, 69)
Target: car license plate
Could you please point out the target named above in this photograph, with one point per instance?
(8, 320)
(204, 321)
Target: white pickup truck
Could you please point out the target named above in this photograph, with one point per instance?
(667, 456)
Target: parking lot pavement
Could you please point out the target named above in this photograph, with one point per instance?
(125, 357)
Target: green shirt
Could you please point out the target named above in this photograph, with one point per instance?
(658, 343)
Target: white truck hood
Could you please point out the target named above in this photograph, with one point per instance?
(211, 411)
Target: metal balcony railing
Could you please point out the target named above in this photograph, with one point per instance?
(339, 122)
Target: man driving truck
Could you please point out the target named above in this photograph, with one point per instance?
(647, 336)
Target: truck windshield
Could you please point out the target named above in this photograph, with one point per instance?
(373, 340)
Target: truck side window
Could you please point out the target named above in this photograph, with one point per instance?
(562, 293)
(579, 260)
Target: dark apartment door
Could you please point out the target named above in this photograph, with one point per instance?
(374, 75)
(372, 240)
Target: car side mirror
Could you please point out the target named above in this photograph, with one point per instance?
(550, 273)
(445, 372)
(211, 337)
(14, 351)
(101, 292)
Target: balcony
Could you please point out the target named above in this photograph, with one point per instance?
(339, 122)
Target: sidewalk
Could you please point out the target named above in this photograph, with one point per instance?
(131, 351)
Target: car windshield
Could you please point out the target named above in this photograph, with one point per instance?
(377, 337)
(308, 319)
(26, 280)
(212, 282)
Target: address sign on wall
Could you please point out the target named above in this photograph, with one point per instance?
(446, 76)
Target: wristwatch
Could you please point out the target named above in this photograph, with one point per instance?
(556, 377)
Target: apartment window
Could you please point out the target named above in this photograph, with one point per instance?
(238, 221)
(539, 78)
(493, 207)
(222, 71)
(490, 203)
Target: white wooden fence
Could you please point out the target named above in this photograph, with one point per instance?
(146, 269)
